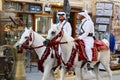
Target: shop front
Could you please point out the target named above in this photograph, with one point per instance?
(36, 14)
(39, 15)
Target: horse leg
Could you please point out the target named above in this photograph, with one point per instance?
(105, 61)
(96, 69)
(78, 73)
(46, 73)
(52, 75)
(81, 73)
(63, 72)
(107, 68)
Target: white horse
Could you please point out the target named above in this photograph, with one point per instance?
(55, 33)
(31, 38)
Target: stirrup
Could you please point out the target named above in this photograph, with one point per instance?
(89, 66)
(54, 68)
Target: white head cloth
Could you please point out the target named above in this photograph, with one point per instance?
(85, 14)
(61, 13)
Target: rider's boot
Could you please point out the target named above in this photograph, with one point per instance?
(89, 65)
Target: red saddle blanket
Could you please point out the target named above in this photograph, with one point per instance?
(98, 46)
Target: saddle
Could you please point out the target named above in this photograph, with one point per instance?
(98, 46)
(80, 49)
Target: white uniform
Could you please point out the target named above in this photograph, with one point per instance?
(66, 27)
(85, 28)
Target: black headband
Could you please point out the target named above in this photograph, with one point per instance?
(61, 14)
(82, 11)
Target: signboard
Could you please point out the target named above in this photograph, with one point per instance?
(102, 20)
(100, 6)
(104, 12)
(47, 8)
(34, 8)
(104, 9)
(108, 6)
(99, 12)
(102, 27)
(0, 5)
(108, 12)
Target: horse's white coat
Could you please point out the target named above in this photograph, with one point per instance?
(104, 56)
(37, 40)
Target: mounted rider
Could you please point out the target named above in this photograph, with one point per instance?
(63, 23)
(86, 33)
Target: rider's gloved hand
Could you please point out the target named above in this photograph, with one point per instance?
(76, 39)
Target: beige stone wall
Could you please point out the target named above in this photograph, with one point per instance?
(0, 5)
(76, 3)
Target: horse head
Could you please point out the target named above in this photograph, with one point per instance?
(26, 39)
(55, 33)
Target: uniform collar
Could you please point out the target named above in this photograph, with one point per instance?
(84, 19)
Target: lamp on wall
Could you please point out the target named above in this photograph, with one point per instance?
(56, 2)
(59, 3)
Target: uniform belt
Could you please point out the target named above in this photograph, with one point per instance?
(90, 34)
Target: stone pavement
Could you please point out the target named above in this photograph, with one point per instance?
(34, 74)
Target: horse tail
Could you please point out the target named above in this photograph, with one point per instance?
(106, 42)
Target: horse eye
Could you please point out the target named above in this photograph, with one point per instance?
(26, 37)
(53, 32)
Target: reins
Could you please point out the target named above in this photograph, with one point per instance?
(74, 51)
(54, 43)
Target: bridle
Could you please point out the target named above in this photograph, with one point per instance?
(27, 42)
(54, 40)
(31, 39)
(59, 35)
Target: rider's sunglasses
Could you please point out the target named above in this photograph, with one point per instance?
(61, 14)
